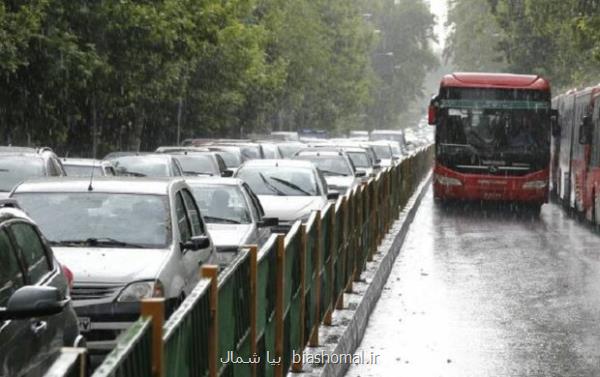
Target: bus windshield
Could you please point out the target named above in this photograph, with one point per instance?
(495, 129)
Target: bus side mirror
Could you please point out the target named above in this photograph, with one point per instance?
(554, 125)
(432, 111)
(432, 115)
(585, 130)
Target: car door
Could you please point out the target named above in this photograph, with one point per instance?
(16, 340)
(47, 333)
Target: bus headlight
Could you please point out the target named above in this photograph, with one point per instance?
(535, 185)
(447, 181)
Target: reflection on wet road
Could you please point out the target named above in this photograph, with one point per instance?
(489, 292)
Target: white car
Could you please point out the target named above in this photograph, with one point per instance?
(233, 214)
(125, 239)
(339, 171)
(288, 190)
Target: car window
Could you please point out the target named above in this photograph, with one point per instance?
(183, 222)
(222, 204)
(177, 169)
(253, 207)
(58, 166)
(33, 251)
(193, 213)
(221, 162)
(11, 275)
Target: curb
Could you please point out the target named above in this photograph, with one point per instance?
(350, 323)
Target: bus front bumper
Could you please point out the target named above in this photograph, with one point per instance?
(530, 188)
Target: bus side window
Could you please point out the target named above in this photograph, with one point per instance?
(595, 152)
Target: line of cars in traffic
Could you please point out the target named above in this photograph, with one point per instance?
(83, 241)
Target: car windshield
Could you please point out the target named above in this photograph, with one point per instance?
(141, 166)
(221, 204)
(270, 151)
(232, 160)
(251, 152)
(288, 150)
(197, 164)
(328, 164)
(94, 218)
(82, 170)
(382, 151)
(359, 159)
(282, 181)
(15, 169)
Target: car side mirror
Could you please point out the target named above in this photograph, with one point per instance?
(227, 173)
(196, 243)
(360, 174)
(268, 221)
(395, 157)
(34, 301)
(333, 195)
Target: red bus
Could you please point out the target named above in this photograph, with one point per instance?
(492, 139)
(577, 183)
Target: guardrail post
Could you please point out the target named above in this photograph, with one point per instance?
(328, 320)
(358, 230)
(155, 308)
(374, 226)
(297, 365)
(253, 303)
(279, 309)
(314, 335)
(349, 236)
(212, 272)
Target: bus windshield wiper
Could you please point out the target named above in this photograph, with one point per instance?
(270, 186)
(291, 185)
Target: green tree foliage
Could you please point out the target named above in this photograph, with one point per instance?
(559, 39)
(401, 59)
(473, 41)
(91, 76)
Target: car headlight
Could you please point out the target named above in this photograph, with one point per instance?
(535, 185)
(137, 291)
(447, 181)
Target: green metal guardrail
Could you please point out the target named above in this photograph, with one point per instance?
(269, 303)
(132, 357)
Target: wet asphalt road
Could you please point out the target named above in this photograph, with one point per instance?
(489, 292)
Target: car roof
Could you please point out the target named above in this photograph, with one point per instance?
(199, 181)
(122, 185)
(280, 163)
(325, 152)
(353, 149)
(9, 213)
(82, 161)
(150, 156)
(16, 149)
